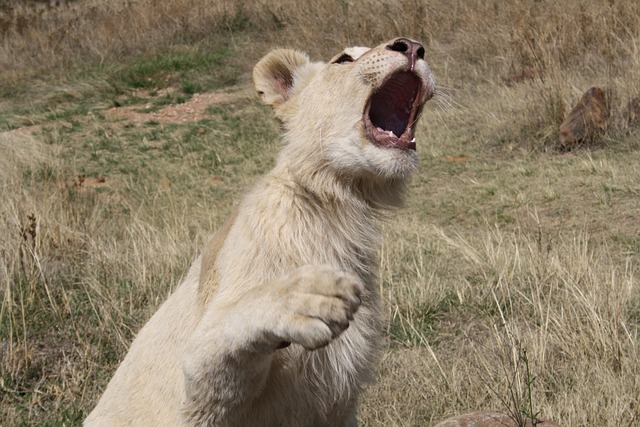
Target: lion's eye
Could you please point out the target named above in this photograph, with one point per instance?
(343, 58)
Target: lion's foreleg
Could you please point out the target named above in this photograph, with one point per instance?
(228, 359)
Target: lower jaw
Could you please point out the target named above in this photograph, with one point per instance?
(395, 163)
(381, 139)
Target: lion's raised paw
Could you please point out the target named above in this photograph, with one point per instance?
(317, 304)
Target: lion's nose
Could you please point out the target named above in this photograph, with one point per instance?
(411, 49)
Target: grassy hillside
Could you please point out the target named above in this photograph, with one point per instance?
(510, 279)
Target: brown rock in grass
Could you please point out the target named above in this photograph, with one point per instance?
(489, 419)
(589, 117)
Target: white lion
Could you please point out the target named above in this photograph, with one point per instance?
(278, 322)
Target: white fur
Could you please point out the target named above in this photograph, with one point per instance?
(296, 264)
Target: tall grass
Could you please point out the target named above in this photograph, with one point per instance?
(78, 269)
(486, 35)
(517, 322)
(509, 280)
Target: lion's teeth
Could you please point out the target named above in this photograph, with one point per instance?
(392, 134)
(413, 140)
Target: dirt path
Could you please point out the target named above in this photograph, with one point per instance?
(192, 110)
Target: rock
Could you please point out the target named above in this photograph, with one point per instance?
(489, 419)
(586, 120)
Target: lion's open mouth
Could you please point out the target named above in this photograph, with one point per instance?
(392, 111)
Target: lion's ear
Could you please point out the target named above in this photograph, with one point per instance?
(273, 75)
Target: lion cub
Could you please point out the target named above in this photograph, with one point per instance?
(277, 323)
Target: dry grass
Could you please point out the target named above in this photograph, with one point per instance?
(561, 304)
(510, 279)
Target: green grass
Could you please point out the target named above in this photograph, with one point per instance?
(86, 89)
(157, 71)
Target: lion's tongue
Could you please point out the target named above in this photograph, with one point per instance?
(391, 105)
(394, 124)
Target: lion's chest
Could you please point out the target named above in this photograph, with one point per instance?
(322, 386)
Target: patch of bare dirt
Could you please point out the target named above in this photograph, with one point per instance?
(193, 110)
(190, 111)
(84, 183)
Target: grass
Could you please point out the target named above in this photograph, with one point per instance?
(509, 279)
